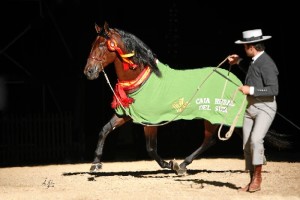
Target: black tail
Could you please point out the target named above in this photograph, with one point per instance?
(274, 139)
(279, 141)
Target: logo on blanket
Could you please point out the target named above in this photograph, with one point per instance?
(180, 105)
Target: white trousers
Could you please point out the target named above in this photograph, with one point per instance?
(257, 121)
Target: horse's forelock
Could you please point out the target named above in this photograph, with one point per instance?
(103, 33)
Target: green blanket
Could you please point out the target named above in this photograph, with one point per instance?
(188, 94)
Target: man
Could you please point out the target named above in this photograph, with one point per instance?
(261, 87)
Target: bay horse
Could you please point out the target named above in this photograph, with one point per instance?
(139, 96)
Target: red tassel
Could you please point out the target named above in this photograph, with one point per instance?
(122, 96)
(125, 66)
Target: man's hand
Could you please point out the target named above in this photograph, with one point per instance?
(234, 59)
(245, 89)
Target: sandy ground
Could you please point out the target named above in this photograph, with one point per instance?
(207, 178)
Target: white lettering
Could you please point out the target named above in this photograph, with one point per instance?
(224, 102)
(202, 101)
(221, 109)
(204, 107)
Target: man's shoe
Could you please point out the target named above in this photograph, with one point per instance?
(244, 189)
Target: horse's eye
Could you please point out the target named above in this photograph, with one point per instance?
(102, 44)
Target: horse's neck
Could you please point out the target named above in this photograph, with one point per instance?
(126, 75)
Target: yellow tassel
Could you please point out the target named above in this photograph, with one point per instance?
(127, 55)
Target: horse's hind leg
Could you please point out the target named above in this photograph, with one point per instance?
(113, 123)
(209, 140)
(151, 146)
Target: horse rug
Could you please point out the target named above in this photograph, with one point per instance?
(209, 93)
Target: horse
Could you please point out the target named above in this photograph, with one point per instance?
(139, 70)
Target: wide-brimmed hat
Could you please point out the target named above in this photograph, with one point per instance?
(252, 36)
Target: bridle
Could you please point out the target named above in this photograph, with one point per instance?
(99, 59)
(95, 58)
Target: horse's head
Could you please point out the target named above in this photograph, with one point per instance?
(128, 53)
(103, 51)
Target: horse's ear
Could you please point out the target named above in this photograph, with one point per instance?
(106, 26)
(106, 29)
(97, 28)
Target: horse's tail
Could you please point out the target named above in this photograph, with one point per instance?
(274, 139)
(278, 140)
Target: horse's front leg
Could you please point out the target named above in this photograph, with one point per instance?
(209, 140)
(113, 123)
(151, 146)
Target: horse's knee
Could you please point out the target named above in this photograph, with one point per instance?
(107, 128)
(111, 125)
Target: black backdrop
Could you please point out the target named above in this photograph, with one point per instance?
(44, 46)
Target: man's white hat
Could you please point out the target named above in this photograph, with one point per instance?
(252, 36)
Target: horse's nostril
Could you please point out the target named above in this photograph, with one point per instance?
(90, 71)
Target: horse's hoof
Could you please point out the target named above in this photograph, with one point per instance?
(96, 167)
(181, 171)
(174, 165)
(178, 170)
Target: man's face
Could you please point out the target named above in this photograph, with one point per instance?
(249, 49)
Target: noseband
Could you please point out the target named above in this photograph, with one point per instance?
(95, 58)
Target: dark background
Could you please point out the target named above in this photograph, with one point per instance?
(50, 112)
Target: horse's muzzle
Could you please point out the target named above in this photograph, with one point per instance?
(92, 73)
